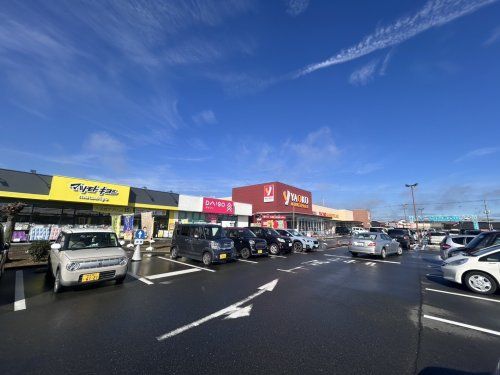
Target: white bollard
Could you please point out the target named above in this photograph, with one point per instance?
(137, 253)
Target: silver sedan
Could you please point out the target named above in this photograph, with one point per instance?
(374, 244)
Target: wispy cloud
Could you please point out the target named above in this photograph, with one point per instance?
(205, 117)
(369, 168)
(385, 62)
(434, 13)
(296, 7)
(363, 75)
(493, 38)
(478, 153)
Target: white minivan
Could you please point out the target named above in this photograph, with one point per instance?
(84, 256)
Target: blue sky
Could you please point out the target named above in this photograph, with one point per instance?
(350, 100)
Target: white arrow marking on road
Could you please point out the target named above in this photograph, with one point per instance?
(371, 264)
(350, 261)
(240, 312)
(228, 310)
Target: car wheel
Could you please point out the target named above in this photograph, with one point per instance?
(274, 249)
(354, 255)
(383, 253)
(298, 247)
(57, 282)
(480, 282)
(207, 258)
(400, 250)
(174, 253)
(245, 253)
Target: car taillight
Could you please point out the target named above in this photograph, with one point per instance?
(372, 244)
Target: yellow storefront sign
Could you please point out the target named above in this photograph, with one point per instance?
(113, 210)
(69, 189)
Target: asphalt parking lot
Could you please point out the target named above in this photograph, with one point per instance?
(320, 312)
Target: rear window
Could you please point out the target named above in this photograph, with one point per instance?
(437, 234)
(366, 236)
(396, 232)
(458, 240)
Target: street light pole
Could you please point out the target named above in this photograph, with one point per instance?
(412, 188)
(487, 212)
(404, 209)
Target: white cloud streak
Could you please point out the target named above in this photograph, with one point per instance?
(296, 7)
(363, 75)
(205, 117)
(478, 153)
(493, 38)
(434, 13)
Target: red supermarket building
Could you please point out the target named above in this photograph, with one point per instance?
(279, 205)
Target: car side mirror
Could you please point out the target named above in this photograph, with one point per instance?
(122, 242)
(55, 246)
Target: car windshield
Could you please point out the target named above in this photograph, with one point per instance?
(295, 232)
(396, 232)
(91, 240)
(366, 236)
(479, 240)
(243, 232)
(213, 232)
(272, 232)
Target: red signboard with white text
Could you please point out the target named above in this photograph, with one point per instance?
(218, 206)
(269, 193)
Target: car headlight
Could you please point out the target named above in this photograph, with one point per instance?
(458, 262)
(72, 266)
(123, 261)
(281, 240)
(214, 245)
(251, 242)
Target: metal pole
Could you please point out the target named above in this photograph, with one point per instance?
(404, 209)
(487, 212)
(412, 187)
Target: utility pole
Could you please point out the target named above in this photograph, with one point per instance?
(412, 188)
(487, 212)
(404, 209)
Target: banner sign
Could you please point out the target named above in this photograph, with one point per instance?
(86, 191)
(444, 218)
(269, 193)
(128, 223)
(147, 223)
(116, 224)
(218, 206)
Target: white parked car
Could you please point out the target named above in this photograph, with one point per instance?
(479, 270)
(83, 256)
(300, 241)
(357, 230)
(435, 238)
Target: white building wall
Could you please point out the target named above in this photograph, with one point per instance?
(190, 203)
(243, 209)
(243, 221)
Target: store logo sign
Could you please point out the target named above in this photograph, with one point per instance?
(296, 200)
(218, 206)
(268, 193)
(86, 191)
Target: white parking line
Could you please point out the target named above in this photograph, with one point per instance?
(247, 261)
(463, 295)
(367, 259)
(290, 270)
(299, 252)
(476, 328)
(277, 256)
(187, 264)
(145, 281)
(19, 301)
(173, 273)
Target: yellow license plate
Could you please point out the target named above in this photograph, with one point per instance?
(259, 251)
(223, 256)
(90, 277)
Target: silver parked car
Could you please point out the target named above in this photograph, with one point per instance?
(452, 242)
(84, 256)
(374, 244)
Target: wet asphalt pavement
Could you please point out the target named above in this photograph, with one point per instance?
(326, 313)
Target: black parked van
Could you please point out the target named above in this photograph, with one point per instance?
(276, 243)
(246, 242)
(205, 242)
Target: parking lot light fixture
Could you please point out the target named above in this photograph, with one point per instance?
(412, 188)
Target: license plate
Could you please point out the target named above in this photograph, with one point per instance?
(259, 251)
(359, 244)
(223, 256)
(90, 277)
